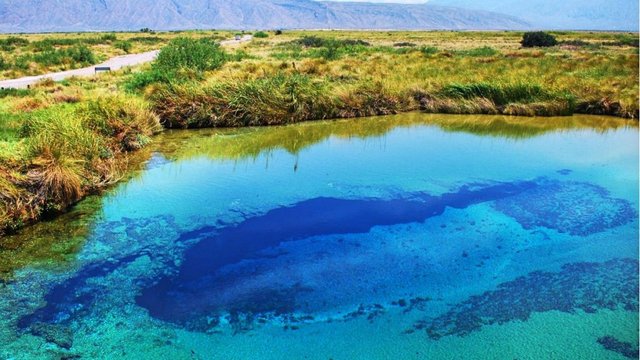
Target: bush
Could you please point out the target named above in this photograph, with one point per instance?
(123, 45)
(278, 32)
(4, 64)
(146, 39)
(81, 54)
(317, 42)
(485, 51)
(538, 39)
(261, 35)
(140, 80)
(14, 92)
(14, 41)
(109, 37)
(10, 43)
(182, 59)
(626, 40)
(404, 44)
(184, 53)
(429, 50)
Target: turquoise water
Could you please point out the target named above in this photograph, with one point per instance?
(403, 237)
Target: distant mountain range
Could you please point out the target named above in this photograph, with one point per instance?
(94, 15)
(85, 15)
(561, 14)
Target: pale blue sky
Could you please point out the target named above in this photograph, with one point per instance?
(387, 1)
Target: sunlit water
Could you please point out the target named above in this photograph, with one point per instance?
(402, 237)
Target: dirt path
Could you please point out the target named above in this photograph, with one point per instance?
(115, 63)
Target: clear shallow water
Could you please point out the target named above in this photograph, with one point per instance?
(410, 236)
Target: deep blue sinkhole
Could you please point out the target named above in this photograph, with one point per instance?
(191, 291)
(169, 299)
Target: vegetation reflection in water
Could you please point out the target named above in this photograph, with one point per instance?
(250, 142)
(448, 275)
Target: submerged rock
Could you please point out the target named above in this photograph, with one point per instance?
(578, 286)
(56, 334)
(623, 348)
(576, 208)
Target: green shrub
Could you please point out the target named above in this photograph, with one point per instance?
(81, 54)
(261, 35)
(109, 37)
(278, 32)
(184, 53)
(123, 45)
(22, 62)
(142, 79)
(627, 40)
(4, 64)
(14, 92)
(76, 54)
(331, 52)
(538, 39)
(429, 50)
(575, 42)
(146, 39)
(10, 43)
(317, 42)
(404, 44)
(14, 41)
(485, 51)
(50, 57)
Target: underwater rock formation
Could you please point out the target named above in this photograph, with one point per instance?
(578, 286)
(576, 208)
(623, 348)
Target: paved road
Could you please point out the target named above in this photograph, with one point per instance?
(115, 63)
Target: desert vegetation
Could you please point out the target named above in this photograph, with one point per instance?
(62, 141)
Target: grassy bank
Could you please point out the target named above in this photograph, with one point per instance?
(51, 158)
(60, 142)
(348, 74)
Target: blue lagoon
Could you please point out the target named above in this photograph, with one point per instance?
(409, 236)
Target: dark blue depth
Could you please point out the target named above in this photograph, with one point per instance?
(169, 299)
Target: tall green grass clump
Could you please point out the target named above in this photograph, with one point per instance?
(510, 99)
(70, 151)
(499, 94)
(429, 50)
(182, 59)
(126, 122)
(61, 149)
(273, 100)
(124, 46)
(10, 43)
(485, 51)
(4, 64)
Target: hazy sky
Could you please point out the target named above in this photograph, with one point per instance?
(388, 1)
